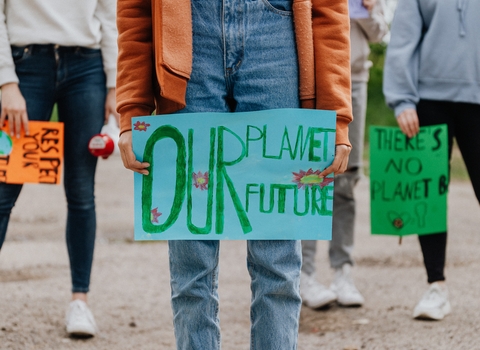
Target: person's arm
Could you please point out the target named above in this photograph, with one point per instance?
(7, 67)
(111, 106)
(375, 27)
(400, 80)
(135, 73)
(135, 96)
(13, 104)
(14, 107)
(331, 36)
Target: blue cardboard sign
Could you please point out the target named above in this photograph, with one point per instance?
(248, 175)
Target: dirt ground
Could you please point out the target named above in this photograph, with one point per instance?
(130, 281)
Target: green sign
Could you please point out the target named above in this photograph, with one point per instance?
(408, 181)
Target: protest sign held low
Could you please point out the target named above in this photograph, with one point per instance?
(408, 181)
(248, 175)
(34, 158)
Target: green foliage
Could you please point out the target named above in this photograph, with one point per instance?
(378, 112)
(54, 117)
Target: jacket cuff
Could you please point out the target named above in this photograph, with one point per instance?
(342, 132)
(8, 75)
(129, 112)
(403, 106)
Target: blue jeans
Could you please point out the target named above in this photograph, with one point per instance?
(244, 59)
(72, 77)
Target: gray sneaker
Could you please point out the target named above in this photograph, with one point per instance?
(434, 304)
(344, 288)
(79, 320)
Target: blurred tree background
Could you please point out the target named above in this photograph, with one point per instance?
(377, 111)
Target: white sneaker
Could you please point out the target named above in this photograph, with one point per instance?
(314, 294)
(434, 304)
(79, 319)
(344, 288)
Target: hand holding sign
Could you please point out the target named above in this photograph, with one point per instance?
(408, 122)
(14, 106)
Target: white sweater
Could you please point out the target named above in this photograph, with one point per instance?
(87, 23)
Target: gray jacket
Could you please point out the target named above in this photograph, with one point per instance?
(434, 53)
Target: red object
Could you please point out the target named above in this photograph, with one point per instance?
(101, 145)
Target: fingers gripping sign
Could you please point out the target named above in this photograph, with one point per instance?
(408, 122)
(340, 161)
(128, 157)
(14, 108)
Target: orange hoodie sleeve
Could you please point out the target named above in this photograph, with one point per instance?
(331, 41)
(135, 88)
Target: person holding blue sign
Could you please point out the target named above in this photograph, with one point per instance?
(241, 57)
(432, 77)
(367, 24)
(61, 52)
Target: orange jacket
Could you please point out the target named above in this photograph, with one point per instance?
(155, 58)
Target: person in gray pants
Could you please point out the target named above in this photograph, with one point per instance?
(371, 28)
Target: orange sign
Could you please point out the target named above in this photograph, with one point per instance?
(36, 158)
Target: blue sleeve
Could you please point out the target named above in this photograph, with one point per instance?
(400, 80)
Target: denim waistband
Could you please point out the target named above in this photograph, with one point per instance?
(34, 48)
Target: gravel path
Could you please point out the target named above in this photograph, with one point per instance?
(130, 282)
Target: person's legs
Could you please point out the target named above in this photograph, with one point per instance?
(434, 245)
(244, 59)
(467, 124)
(344, 206)
(262, 72)
(81, 99)
(433, 250)
(314, 294)
(255, 68)
(194, 283)
(194, 264)
(81, 96)
(341, 245)
(264, 75)
(356, 129)
(36, 74)
(343, 220)
(463, 120)
(274, 267)
(435, 304)
(309, 250)
(8, 196)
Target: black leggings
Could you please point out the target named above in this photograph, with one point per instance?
(463, 121)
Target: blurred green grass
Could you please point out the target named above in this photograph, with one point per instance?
(54, 117)
(379, 114)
